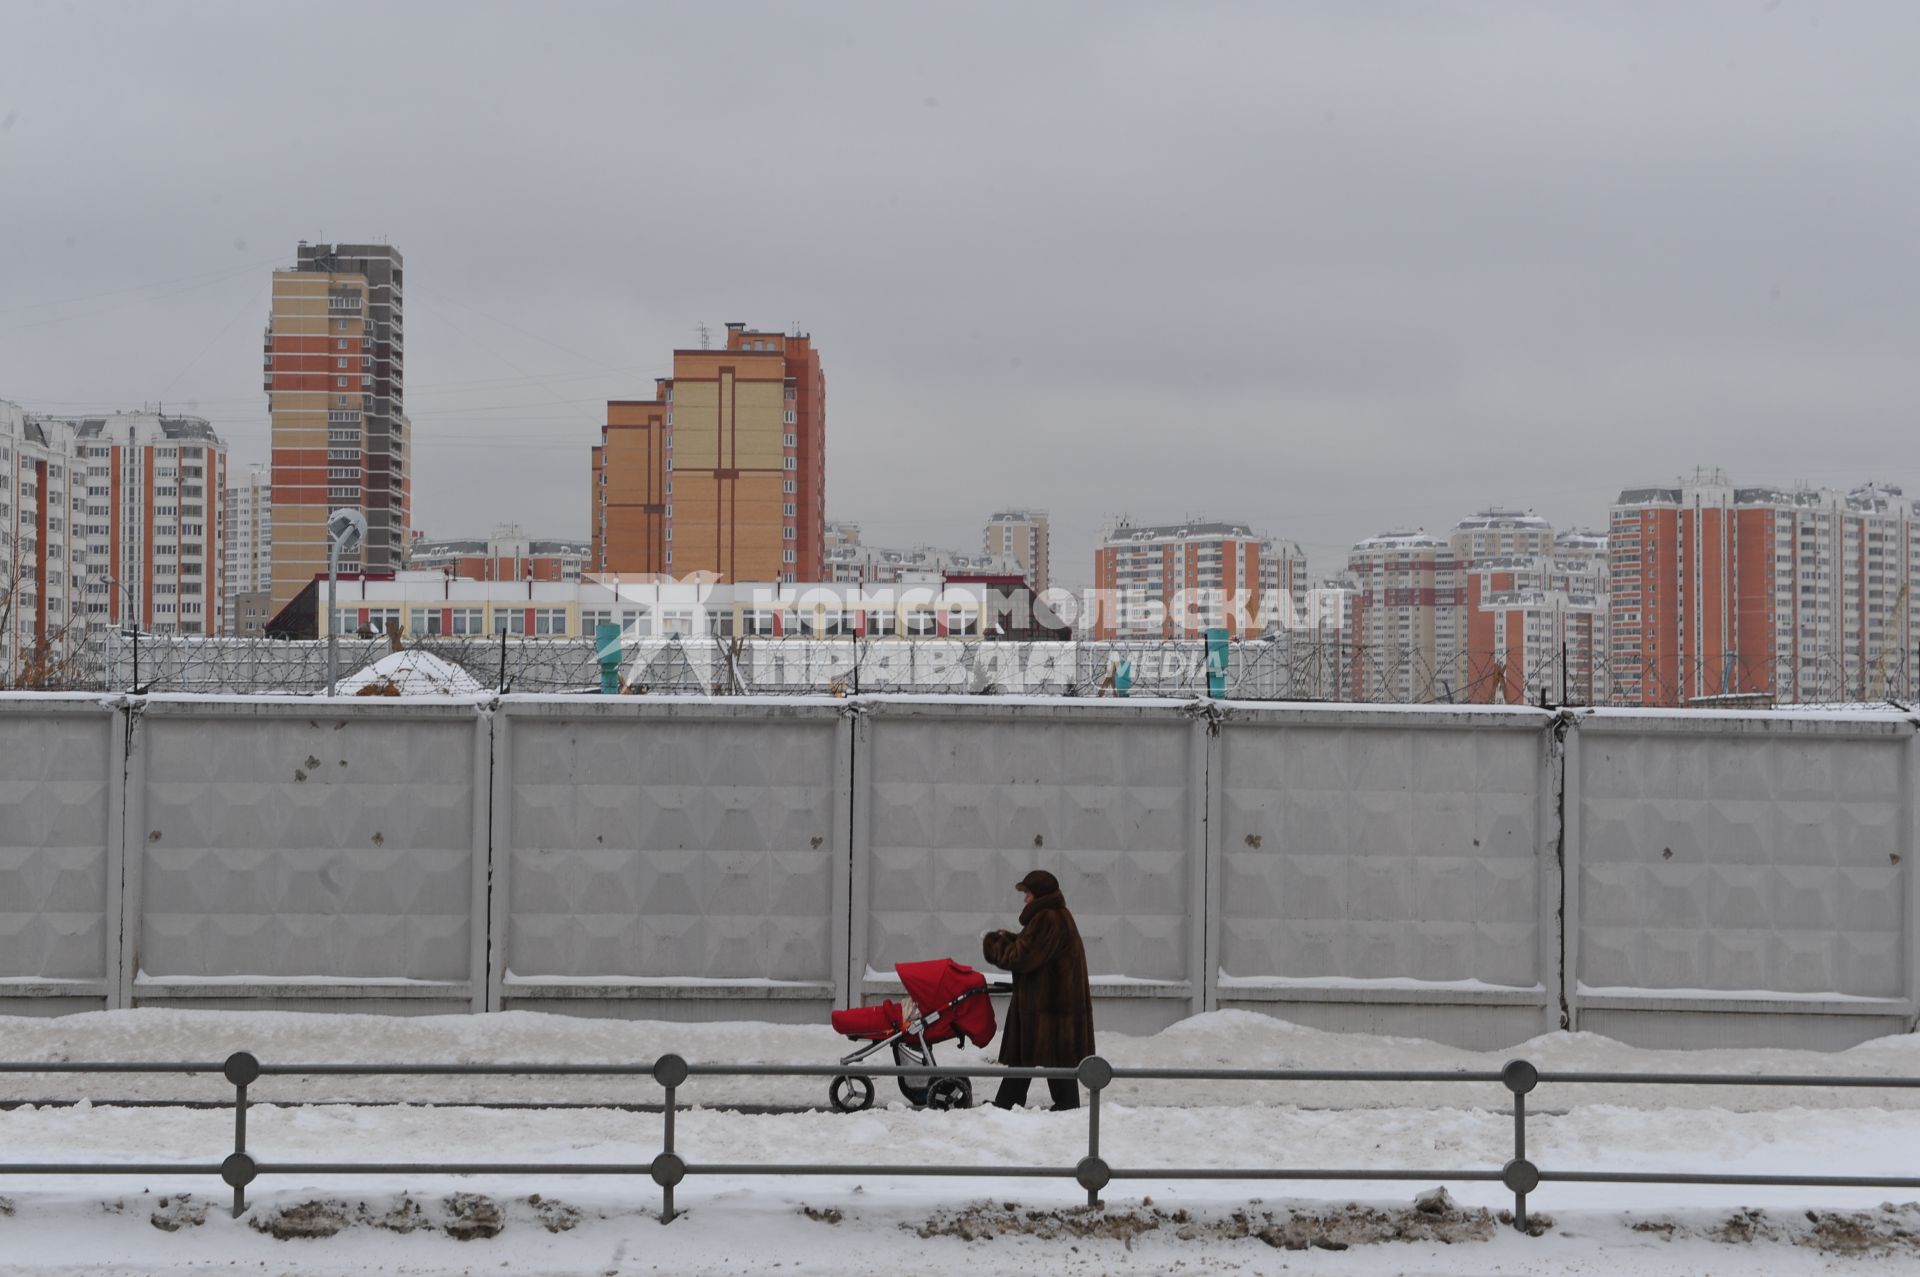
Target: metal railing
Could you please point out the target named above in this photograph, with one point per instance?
(669, 1168)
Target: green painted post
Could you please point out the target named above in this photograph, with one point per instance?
(606, 642)
(1217, 664)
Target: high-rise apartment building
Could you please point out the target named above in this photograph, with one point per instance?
(1536, 625)
(723, 471)
(247, 549)
(1179, 580)
(1410, 619)
(43, 562)
(335, 381)
(106, 521)
(1492, 611)
(1022, 536)
(1496, 533)
(1798, 594)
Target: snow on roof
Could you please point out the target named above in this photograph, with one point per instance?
(1497, 518)
(413, 673)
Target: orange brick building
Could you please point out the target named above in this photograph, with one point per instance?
(723, 471)
(1799, 595)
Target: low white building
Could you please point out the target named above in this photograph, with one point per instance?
(432, 604)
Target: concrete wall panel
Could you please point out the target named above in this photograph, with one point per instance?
(962, 799)
(1377, 860)
(282, 843)
(59, 853)
(1718, 878)
(1744, 863)
(669, 851)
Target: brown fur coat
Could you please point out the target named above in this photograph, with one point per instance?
(1050, 1020)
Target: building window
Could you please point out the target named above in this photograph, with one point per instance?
(789, 557)
(789, 485)
(467, 620)
(550, 622)
(789, 463)
(510, 621)
(790, 441)
(425, 622)
(790, 421)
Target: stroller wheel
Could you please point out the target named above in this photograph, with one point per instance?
(950, 1093)
(850, 1093)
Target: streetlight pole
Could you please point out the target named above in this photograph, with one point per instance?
(345, 529)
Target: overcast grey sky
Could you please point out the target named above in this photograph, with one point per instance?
(1325, 267)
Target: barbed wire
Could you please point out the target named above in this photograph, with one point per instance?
(1291, 667)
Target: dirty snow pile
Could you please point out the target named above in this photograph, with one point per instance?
(540, 1222)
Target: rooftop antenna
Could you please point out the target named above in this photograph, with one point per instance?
(706, 335)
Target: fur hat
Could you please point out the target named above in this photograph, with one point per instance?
(1040, 883)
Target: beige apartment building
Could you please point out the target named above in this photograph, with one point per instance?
(723, 471)
(335, 377)
(1022, 536)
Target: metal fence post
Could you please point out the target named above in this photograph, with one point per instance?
(1519, 1174)
(1093, 1174)
(241, 1069)
(668, 1168)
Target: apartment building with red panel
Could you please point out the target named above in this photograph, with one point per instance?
(1796, 595)
(108, 521)
(1180, 580)
(1536, 627)
(335, 376)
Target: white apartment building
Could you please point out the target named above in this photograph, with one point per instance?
(1500, 533)
(851, 563)
(249, 551)
(108, 520)
(1411, 618)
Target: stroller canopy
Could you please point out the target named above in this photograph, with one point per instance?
(935, 983)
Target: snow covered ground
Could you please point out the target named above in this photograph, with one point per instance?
(550, 1223)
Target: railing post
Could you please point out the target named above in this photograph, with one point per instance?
(1092, 1173)
(241, 1069)
(1520, 1175)
(668, 1168)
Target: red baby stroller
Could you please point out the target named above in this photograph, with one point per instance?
(946, 1000)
